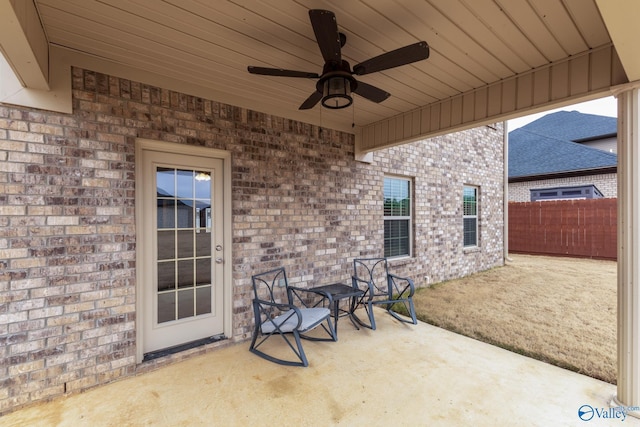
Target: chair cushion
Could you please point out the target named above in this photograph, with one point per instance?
(288, 320)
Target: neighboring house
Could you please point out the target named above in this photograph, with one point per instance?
(567, 152)
(106, 260)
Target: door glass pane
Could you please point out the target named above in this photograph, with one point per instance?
(166, 181)
(203, 242)
(203, 185)
(185, 273)
(166, 275)
(166, 307)
(166, 244)
(165, 189)
(203, 271)
(185, 303)
(185, 214)
(185, 182)
(185, 243)
(166, 213)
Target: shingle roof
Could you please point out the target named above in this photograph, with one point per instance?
(574, 126)
(546, 145)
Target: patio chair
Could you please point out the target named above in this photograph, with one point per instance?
(274, 318)
(380, 287)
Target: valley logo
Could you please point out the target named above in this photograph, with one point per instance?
(588, 412)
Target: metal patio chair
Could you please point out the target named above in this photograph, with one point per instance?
(380, 287)
(287, 320)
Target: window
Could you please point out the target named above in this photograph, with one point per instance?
(560, 193)
(397, 217)
(470, 215)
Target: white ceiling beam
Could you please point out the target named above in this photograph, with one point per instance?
(621, 19)
(23, 43)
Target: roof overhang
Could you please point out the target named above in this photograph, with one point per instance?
(489, 62)
(565, 174)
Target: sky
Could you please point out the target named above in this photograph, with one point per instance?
(603, 107)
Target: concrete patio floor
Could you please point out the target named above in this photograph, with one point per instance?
(397, 375)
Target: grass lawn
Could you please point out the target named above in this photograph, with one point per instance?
(558, 310)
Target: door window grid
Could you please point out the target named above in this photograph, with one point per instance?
(184, 243)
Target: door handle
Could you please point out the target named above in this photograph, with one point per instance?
(219, 260)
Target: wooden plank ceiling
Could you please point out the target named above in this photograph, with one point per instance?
(474, 44)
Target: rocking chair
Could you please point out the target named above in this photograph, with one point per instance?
(274, 318)
(380, 287)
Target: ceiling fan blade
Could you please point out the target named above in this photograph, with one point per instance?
(405, 55)
(372, 93)
(279, 72)
(311, 101)
(325, 28)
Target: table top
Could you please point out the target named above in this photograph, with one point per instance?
(338, 290)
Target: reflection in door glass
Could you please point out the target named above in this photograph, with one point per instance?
(185, 243)
(184, 240)
(185, 304)
(166, 307)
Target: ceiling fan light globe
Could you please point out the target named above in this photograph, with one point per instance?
(336, 92)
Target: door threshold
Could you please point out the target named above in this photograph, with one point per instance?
(181, 347)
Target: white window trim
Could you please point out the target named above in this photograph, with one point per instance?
(476, 216)
(409, 217)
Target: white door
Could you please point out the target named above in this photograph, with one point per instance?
(182, 253)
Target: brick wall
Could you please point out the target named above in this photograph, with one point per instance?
(68, 238)
(606, 183)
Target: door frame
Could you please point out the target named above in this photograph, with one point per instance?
(140, 182)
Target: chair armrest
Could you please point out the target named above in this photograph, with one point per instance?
(258, 306)
(278, 305)
(368, 290)
(401, 285)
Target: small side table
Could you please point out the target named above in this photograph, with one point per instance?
(336, 292)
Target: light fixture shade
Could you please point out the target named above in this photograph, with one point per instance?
(203, 176)
(336, 92)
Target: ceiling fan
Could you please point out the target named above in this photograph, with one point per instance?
(336, 83)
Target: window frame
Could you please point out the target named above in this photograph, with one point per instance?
(467, 216)
(387, 219)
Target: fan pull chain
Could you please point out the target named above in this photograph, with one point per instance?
(353, 116)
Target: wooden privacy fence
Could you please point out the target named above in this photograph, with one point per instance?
(581, 228)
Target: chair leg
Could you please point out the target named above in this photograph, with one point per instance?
(371, 316)
(368, 308)
(254, 337)
(301, 355)
(410, 309)
(297, 350)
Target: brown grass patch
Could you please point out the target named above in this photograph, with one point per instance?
(558, 310)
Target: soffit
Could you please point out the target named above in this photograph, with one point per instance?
(209, 44)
